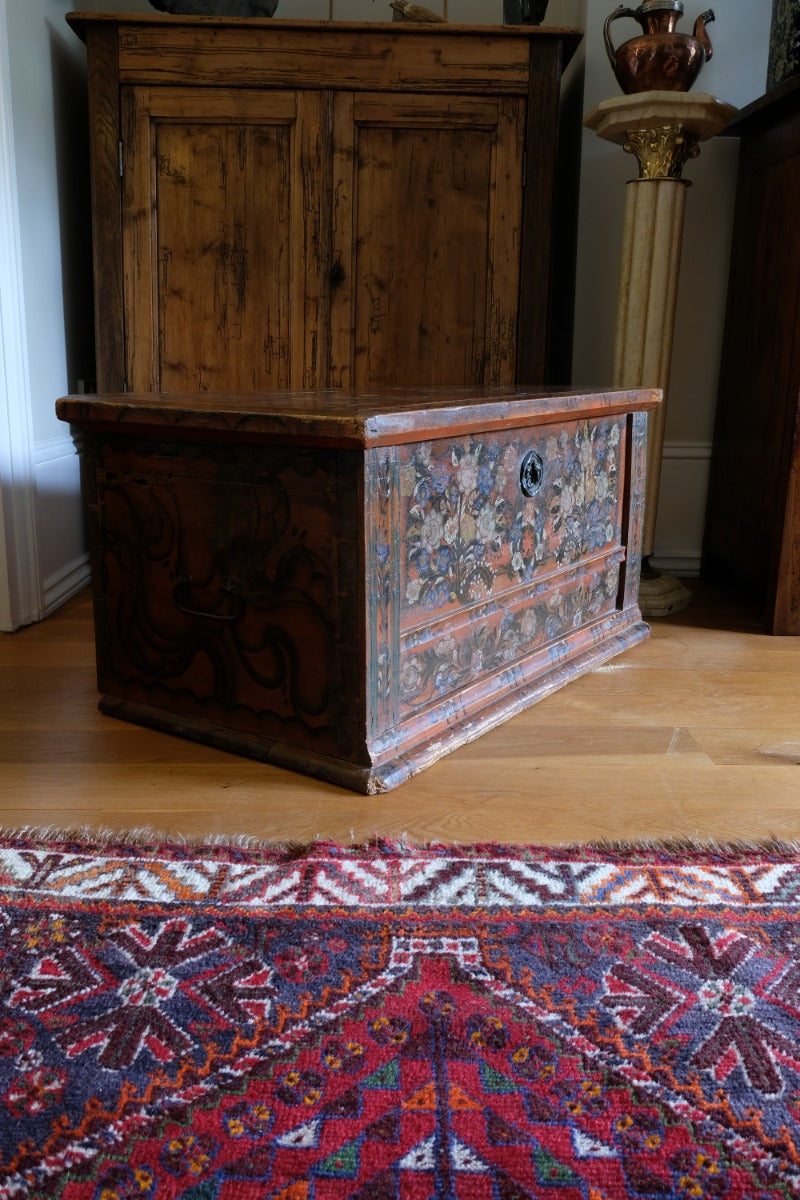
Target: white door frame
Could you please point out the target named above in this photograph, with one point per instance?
(20, 582)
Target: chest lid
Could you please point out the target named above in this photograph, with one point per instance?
(341, 418)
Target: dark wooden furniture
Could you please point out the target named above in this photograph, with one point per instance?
(290, 204)
(352, 587)
(753, 520)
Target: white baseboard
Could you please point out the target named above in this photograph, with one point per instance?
(678, 545)
(63, 557)
(65, 584)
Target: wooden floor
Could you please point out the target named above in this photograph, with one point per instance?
(694, 733)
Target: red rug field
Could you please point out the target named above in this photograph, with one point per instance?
(469, 1023)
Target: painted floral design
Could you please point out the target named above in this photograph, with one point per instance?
(472, 536)
(446, 663)
(469, 530)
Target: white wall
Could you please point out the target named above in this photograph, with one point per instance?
(47, 238)
(20, 598)
(46, 87)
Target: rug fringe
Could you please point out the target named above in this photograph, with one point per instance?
(142, 836)
(712, 845)
(145, 836)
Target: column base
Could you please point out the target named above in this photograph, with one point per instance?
(661, 593)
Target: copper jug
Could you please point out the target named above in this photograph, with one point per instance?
(658, 59)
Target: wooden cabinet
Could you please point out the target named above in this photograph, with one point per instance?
(753, 518)
(286, 204)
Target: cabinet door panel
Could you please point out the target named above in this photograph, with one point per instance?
(222, 223)
(426, 233)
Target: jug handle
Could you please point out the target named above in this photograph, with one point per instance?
(622, 11)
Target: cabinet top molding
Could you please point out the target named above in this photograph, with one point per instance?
(337, 55)
(79, 21)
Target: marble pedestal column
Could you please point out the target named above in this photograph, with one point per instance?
(663, 130)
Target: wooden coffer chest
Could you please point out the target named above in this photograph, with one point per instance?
(352, 587)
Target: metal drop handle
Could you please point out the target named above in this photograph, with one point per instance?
(229, 606)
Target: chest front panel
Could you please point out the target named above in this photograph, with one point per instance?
(485, 515)
(492, 552)
(489, 574)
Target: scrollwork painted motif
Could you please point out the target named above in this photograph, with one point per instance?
(221, 586)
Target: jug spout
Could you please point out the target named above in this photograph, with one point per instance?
(699, 32)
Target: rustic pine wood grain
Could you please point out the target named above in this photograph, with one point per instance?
(141, 369)
(503, 249)
(434, 253)
(345, 55)
(104, 139)
(313, 203)
(693, 733)
(221, 221)
(342, 253)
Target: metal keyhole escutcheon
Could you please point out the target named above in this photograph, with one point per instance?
(531, 473)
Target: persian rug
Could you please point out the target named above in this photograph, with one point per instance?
(484, 1022)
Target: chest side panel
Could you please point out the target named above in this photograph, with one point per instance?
(227, 587)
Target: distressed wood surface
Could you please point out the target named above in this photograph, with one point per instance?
(312, 204)
(104, 141)
(222, 216)
(540, 220)
(432, 235)
(341, 55)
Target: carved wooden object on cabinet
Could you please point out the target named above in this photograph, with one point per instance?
(753, 519)
(352, 587)
(319, 204)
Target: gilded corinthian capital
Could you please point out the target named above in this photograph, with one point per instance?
(662, 152)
